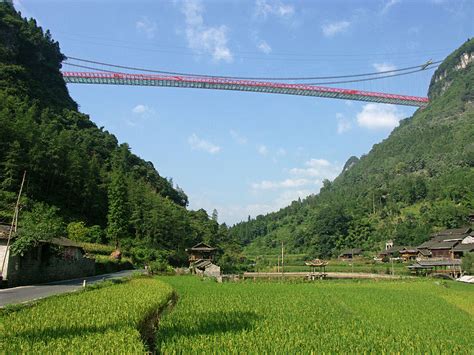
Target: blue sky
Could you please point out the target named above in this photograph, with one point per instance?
(247, 153)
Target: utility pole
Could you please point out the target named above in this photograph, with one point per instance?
(278, 263)
(13, 226)
(352, 259)
(282, 263)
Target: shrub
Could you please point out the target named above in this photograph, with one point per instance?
(159, 267)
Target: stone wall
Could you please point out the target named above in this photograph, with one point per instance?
(47, 263)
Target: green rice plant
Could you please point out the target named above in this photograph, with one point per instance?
(409, 316)
(106, 319)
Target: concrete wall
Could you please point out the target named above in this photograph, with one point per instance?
(46, 263)
(212, 271)
(3, 248)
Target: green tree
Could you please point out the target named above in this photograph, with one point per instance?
(11, 167)
(42, 223)
(117, 226)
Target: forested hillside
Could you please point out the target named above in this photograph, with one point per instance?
(80, 181)
(418, 180)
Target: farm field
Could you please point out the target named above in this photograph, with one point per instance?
(106, 319)
(328, 316)
(296, 263)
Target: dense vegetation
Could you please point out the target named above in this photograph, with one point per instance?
(419, 180)
(103, 320)
(83, 184)
(80, 181)
(320, 317)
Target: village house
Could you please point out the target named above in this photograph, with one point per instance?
(58, 259)
(405, 253)
(447, 244)
(201, 251)
(200, 260)
(350, 254)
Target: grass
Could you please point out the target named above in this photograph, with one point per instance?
(98, 320)
(330, 316)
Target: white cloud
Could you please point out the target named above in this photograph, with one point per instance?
(197, 143)
(383, 67)
(146, 26)
(262, 150)
(317, 168)
(287, 197)
(343, 124)
(273, 194)
(333, 28)
(287, 183)
(379, 116)
(141, 109)
(281, 152)
(264, 47)
(388, 5)
(313, 172)
(236, 136)
(205, 39)
(140, 113)
(264, 8)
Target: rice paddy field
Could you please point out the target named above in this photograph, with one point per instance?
(109, 319)
(426, 316)
(296, 263)
(403, 316)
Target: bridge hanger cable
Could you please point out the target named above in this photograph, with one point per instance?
(318, 83)
(423, 66)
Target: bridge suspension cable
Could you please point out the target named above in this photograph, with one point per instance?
(316, 83)
(375, 75)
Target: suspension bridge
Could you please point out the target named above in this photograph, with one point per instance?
(100, 76)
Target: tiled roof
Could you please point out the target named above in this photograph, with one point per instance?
(464, 247)
(201, 247)
(354, 251)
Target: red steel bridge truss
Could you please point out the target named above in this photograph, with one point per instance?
(239, 85)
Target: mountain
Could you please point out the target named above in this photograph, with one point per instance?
(78, 173)
(418, 180)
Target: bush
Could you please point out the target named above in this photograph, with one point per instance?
(159, 267)
(78, 231)
(468, 264)
(42, 223)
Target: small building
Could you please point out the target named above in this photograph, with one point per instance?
(200, 260)
(54, 260)
(404, 252)
(444, 243)
(350, 254)
(449, 267)
(201, 251)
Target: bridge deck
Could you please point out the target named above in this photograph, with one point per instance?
(240, 85)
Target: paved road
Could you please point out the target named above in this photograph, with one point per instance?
(23, 294)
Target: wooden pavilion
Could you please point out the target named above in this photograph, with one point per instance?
(316, 264)
(201, 251)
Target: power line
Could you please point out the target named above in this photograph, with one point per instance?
(318, 83)
(423, 66)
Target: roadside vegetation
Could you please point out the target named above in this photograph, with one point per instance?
(110, 319)
(320, 317)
